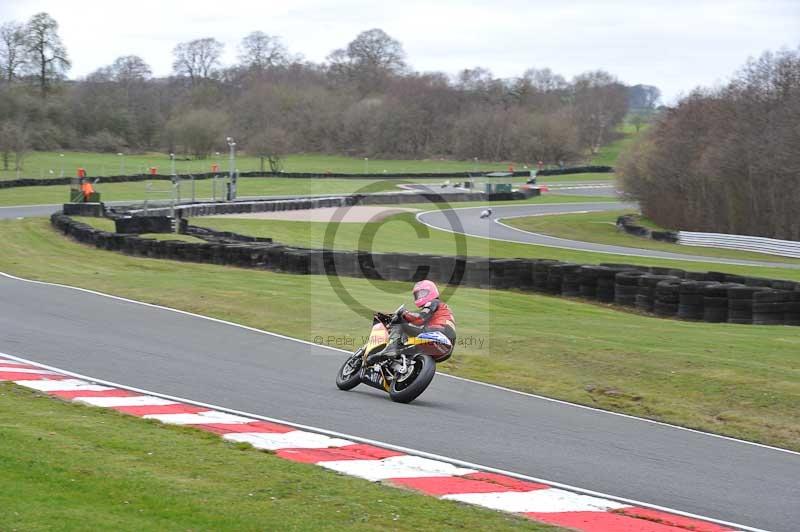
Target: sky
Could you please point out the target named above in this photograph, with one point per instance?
(675, 45)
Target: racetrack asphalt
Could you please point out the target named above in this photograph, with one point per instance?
(470, 223)
(221, 364)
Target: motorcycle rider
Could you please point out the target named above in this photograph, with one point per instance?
(433, 315)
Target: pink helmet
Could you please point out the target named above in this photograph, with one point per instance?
(425, 292)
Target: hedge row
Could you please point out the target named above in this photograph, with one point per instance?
(712, 297)
(627, 223)
(31, 182)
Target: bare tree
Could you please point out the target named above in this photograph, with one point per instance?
(369, 59)
(259, 51)
(725, 160)
(199, 131)
(600, 104)
(545, 80)
(271, 144)
(643, 97)
(14, 139)
(46, 53)
(130, 68)
(12, 50)
(198, 59)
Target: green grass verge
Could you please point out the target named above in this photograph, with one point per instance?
(600, 227)
(104, 224)
(739, 380)
(403, 233)
(72, 467)
(272, 186)
(51, 164)
(608, 154)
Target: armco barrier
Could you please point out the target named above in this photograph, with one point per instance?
(667, 292)
(770, 246)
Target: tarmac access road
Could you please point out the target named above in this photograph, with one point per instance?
(222, 364)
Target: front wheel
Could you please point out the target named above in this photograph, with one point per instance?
(349, 375)
(407, 387)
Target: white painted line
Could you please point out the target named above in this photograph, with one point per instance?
(66, 385)
(545, 500)
(710, 260)
(111, 402)
(396, 467)
(296, 439)
(198, 418)
(423, 454)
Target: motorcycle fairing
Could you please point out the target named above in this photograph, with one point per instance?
(375, 378)
(378, 338)
(429, 337)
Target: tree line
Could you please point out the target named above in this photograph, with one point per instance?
(364, 100)
(726, 160)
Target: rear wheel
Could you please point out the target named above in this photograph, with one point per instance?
(349, 375)
(407, 387)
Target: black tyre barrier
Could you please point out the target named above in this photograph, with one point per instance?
(626, 223)
(667, 297)
(144, 224)
(712, 297)
(84, 209)
(715, 301)
(31, 182)
(577, 170)
(588, 281)
(691, 299)
(541, 273)
(740, 303)
(627, 287)
(792, 314)
(571, 280)
(646, 293)
(770, 307)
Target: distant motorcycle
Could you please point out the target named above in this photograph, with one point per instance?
(486, 213)
(403, 366)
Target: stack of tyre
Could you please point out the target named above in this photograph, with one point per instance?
(691, 299)
(646, 290)
(740, 303)
(627, 287)
(770, 307)
(667, 297)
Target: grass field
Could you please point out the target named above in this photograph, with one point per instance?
(742, 381)
(52, 164)
(403, 233)
(600, 227)
(71, 467)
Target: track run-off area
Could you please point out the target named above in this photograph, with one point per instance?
(243, 369)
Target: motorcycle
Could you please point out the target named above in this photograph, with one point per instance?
(403, 366)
